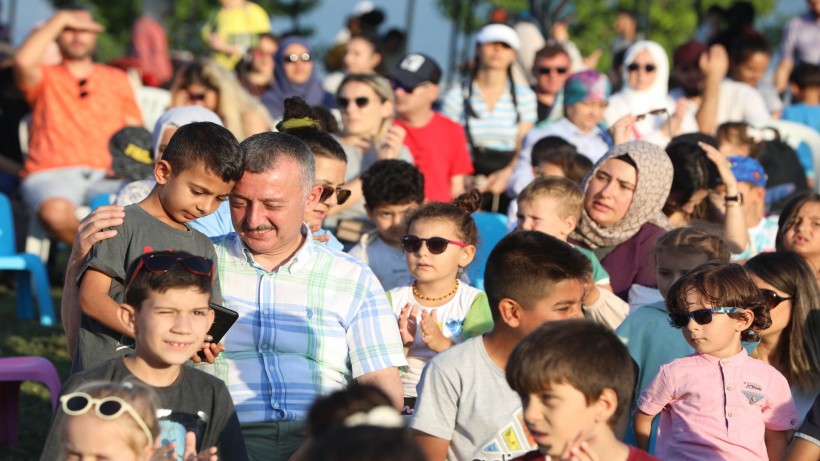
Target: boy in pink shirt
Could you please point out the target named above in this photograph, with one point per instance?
(717, 403)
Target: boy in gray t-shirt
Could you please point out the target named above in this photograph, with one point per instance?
(469, 412)
(196, 173)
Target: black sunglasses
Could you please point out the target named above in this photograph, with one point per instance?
(700, 316)
(341, 194)
(772, 299)
(436, 245)
(161, 263)
(361, 102)
(549, 70)
(83, 92)
(406, 88)
(649, 68)
(293, 57)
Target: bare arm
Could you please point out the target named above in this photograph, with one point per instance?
(95, 302)
(386, 379)
(714, 65)
(776, 444)
(434, 448)
(801, 450)
(734, 222)
(642, 425)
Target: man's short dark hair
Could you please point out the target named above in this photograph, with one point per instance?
(207, 143)
(578, 352)
(392, 182)
(264, 151)
(525, 265)
(549, 50)
(176, 277)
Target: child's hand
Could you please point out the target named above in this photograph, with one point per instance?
(431, 333)
(210, 350)
(578, 450)
(208, 454)
(408, 324)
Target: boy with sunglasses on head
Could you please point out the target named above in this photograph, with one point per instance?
(198, 169)
(166, 310)
(717, 403)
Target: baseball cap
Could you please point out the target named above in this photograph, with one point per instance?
(747, 169)
(688, 53)
(130, 150)
(493, 33)
(415, 69)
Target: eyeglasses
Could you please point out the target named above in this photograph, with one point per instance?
(294, 57)
(361, 102)
(634, 67)
(772, 299)
(436, 245)
(161, 263)
(701, 316)
(107, 408)
(406, 88)
(549, 70)
(341, 194)
(83, 92)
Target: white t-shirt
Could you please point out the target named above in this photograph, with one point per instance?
(737, 102)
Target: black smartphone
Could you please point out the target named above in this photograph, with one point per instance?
(224, 318)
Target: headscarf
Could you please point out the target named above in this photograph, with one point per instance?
(654, 181)
(181, 116)
(655, 96)
(311, 91)
(587, 85)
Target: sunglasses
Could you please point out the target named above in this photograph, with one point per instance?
(107, 408)
(341, 194)
(772, 299)
(436, 245)
(549, 70)
(634, 67)
(161, 263)
(406, 88)
(294, 57)
(361, 102)
(83, 92)
(700, 316)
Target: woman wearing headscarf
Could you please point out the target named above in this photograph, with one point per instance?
(294, 75)
(645, 97)
(624, 195)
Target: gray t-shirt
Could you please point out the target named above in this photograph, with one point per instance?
(388, 263)
(471, 406)
(140, 233)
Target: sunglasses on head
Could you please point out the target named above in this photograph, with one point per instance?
(772, 299)
(294, 57)
(436, 245)
(549, 70)
(341, 194)
(107, 408)
(361, 102)
(700, 316)
(161, 263)
(83, 91)
(634, 67)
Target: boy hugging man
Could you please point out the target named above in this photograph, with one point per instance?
(198, 169)
(575, 380)
(167, 312)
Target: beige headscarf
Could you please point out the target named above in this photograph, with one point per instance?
(654, 181)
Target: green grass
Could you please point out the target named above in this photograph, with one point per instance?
(27, 337)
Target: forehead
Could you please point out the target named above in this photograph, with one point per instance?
(395, 208)
(281, 179)
(809, 210)
(357, 89)
(330, 169)
(559, 58)
(297, 48)
(620, 170)
(566, 290)
(359, 44)
(669, 258)
(540, 202)
(427, 227)
(644, 56)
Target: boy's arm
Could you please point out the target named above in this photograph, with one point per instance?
(802, 450)
(95, 302)
(434, 448)
(642, 426)
(776, 444)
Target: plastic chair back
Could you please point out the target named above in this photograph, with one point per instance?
(7, 240)
(492, 227)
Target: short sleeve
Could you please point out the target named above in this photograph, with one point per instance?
(479, 319)
(461, 163)
(658, 393)
(787, 45)
(527, 104)
(810, 429)
(437, 404)
(779, 412)
(108, 256)
(453, 106)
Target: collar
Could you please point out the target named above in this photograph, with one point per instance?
(733, 360)
(299, 260)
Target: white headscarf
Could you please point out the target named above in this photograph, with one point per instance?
(181, 116)
(655, 96)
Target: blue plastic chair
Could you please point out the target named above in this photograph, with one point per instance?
(100, 200)
(492, 227)
(28, 267)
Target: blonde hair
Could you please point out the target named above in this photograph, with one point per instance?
(570, 195)
(381, 86)
(141, 397)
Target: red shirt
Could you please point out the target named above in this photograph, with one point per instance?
(439, 149)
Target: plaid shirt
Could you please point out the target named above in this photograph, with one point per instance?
(303, 331)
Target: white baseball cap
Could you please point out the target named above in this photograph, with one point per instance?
(493, 33)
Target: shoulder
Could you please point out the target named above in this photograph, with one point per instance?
(110, 72)
(442, 122)
(649, 232)
(453, 359)
(523, 90)
(203, 382)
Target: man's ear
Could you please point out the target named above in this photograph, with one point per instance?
(606, 405)
(162, 171)
(128, 318)
(313, 197)
(510, 312)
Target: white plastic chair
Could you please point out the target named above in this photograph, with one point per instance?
(153, 102)
(793, 133)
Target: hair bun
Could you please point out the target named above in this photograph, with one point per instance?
(298, 114)
(469, 201)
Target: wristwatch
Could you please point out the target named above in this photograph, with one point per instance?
(738, 199)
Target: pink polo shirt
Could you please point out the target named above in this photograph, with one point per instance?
(717, 409)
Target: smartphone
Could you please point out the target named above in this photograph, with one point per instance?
(224, 318)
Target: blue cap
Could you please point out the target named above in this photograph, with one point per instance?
(747, 169)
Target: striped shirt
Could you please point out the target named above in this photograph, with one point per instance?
(496, 129)
(304, 330)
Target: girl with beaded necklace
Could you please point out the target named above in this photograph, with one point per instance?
(438, 309)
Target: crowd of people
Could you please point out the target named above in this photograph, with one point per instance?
(652, 292)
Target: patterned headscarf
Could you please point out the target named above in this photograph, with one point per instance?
(654, 181)
(588, 85)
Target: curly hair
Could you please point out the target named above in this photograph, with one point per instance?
(392, 182)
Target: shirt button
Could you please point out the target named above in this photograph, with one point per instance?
(265, 312)
(276, 405)
(264, 346)
(755, 399)
(730, 414)
(728, 388)
(724, 362)
(271, 368)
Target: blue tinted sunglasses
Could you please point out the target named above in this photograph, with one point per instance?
(700, 316)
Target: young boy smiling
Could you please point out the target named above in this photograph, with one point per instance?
(196, 173)
(167, 311)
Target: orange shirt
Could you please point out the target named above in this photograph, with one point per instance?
(72, 121)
